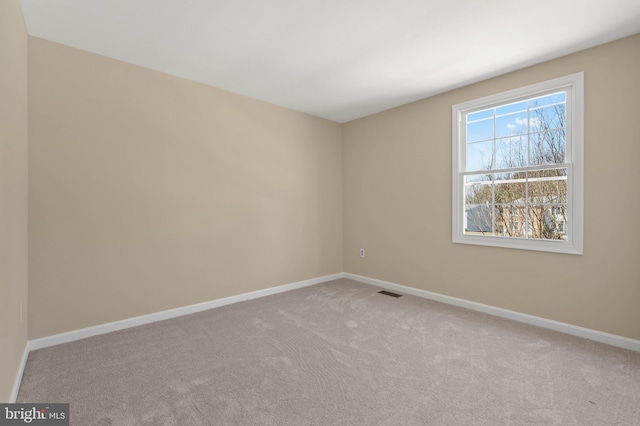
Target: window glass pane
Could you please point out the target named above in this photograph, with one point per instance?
(537, 221)
(512, 124)
(509, 108)
(479, 156)
(557, 221)
(548, 118)
(478, 219)
(510, 188)
(511, 152)
(480, 114)
(548, 99)
(480, 130)
(510, 221)
(547, 147)
(548, 221)
(547, 186)
(477, 193)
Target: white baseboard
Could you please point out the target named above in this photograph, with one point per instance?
(18, 381)
(71, 336)
(586, 333)
(598, 336)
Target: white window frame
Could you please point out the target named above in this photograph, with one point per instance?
(573, 85)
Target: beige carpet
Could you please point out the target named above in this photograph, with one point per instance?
(337, 353)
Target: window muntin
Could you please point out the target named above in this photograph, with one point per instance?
(518, 168)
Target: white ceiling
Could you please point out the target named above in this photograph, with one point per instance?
(337, 59)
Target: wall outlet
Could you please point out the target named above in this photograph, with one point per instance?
(361, 252)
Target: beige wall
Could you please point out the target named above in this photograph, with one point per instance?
(150, 192)
(13, 192)
(397, 202)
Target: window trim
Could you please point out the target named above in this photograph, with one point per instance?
(574, 86)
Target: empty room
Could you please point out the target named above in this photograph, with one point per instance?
(319, 213)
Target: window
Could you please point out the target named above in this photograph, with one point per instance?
(518, 168)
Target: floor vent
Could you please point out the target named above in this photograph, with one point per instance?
(388, 293)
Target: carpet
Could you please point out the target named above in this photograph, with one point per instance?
(337, 353)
